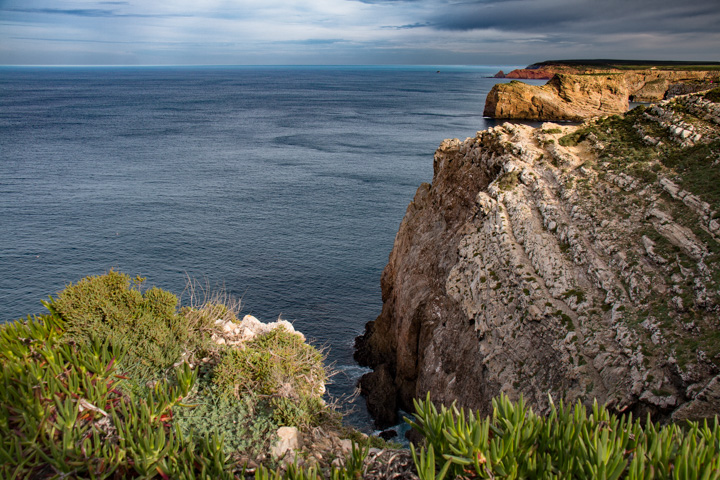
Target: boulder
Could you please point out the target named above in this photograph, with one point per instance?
(289, 440)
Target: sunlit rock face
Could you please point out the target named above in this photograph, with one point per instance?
(561, 269)
(576, 97)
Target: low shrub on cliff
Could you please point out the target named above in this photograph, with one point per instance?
(281, 367)
(112, 307)
(117, 382)
(713, 95)
(569, 443)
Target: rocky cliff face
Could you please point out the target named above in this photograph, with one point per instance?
(579, 262)
(564, 97)
(579, 97)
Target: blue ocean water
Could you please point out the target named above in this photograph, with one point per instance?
(283, 185)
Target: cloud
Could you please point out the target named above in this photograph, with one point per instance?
(356, 31)
(87, 12)
(409, 26)
(375, 2)
(313, 41)
(585, 16)
(79, 12)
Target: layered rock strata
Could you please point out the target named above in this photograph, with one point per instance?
(582, 270)
(580, 97)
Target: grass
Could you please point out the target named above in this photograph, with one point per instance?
(508, 181)
(713, 95)
(280, 367)
(696, 171)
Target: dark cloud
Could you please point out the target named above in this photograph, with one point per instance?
(584, 16)
(408, 27)
(84, 12)
(75, 12)
(375, 2)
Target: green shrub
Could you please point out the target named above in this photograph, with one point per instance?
(574, 138)
(508, 181)
(245, 424)
(552, 130)
(278, 365)
(112, 307)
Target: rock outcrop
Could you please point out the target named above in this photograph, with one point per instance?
(579, 97)
(580, 262)
(564, 97)
(550, 68)
(535, 73)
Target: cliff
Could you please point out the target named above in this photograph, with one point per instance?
(549, 68)
(578, 97)
(575, 261)
(564, 97)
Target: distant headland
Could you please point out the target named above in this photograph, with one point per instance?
(582, 89)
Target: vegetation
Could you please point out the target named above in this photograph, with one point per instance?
(294, 388)
(713, 95)
(74, 404)
(630, 64)
(102, 387)
(508, 181)
(145, 325)
(552, 130)
(568, 443)
(67, 411)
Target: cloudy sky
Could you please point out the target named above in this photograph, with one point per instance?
(247, 32)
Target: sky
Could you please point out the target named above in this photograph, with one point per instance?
(354, 32)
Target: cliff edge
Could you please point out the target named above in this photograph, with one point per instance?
(575, 261)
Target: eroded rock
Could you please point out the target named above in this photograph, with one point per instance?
(529, 267)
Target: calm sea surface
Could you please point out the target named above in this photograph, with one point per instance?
(283, 185)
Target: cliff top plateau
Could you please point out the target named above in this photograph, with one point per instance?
(548, 68)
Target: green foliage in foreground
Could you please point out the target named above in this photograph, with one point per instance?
(65, 411)
(569, 443)
(69, 408)
(112, 307)
(101, 387)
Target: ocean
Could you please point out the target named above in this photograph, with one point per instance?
(282, 186)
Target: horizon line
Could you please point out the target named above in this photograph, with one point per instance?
(265, 65)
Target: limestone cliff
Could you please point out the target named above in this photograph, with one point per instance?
(575, 261)
(549, 68)
(578, 97)
(564, 97)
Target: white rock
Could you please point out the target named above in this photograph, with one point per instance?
(289, 439)
(346, 445)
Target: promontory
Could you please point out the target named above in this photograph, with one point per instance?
(562, 262)
(579, 90)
